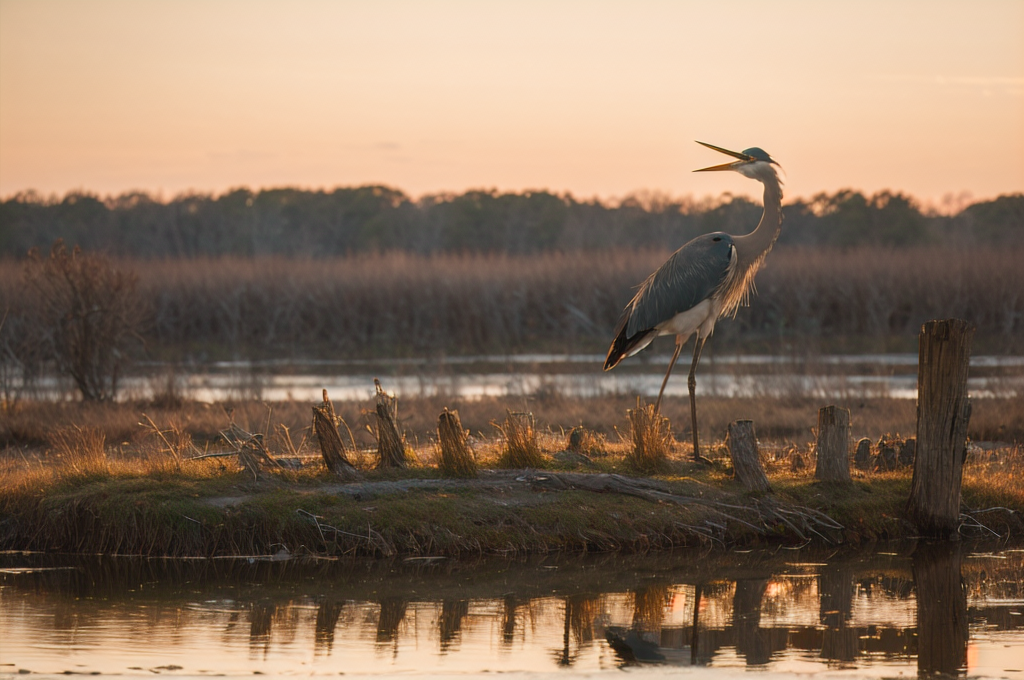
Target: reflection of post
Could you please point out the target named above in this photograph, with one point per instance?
(508, 619)
(649, 607)
(746, 621)
(261, 616)
(835, 590)
(579, 622)
(392, 612)
(327, 615)
(450, 623)
(696, 624)
(941, 608)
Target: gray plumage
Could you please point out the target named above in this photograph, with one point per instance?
(693, 273)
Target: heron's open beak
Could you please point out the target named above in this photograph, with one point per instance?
(743, 158)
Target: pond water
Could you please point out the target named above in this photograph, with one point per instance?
(886, 612)
(573, 375)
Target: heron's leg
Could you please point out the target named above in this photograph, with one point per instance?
(675, 355)
(698, 344)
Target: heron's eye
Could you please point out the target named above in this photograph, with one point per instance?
(717, 239)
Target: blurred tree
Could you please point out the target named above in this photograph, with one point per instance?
(86, 314)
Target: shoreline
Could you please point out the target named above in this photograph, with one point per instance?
(509, 513)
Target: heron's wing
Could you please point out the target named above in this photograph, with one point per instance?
(689, 277)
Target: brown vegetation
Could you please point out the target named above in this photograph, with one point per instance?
(651, 436)
(519, 441)
(400, 304)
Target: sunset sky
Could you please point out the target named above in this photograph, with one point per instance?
(594, 98)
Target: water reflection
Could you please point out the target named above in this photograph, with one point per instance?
(933, 607)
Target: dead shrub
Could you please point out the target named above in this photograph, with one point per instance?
(651, 433)
(520, 449)
(86, 314)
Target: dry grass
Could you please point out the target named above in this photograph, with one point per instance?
(651, 436)
(80, 451)
(124, 488)
(519, 447)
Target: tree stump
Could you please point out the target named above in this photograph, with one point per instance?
(862, 459)
(943, 411)
(745, 459)
(833, 445)
(455, 459)
(325, 425)
(390, 443)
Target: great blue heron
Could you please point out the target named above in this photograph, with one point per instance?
(709, 277)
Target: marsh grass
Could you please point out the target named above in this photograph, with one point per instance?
(519, 436)
(651, 436)
(105, 478)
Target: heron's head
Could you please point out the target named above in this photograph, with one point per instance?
(753, 162)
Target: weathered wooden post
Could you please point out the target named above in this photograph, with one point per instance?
(455, 459)
(390, 442)
(332, 449)
(745, 459)
(943, 411)
(833, 445)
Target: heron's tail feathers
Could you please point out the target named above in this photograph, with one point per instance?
(623, 346)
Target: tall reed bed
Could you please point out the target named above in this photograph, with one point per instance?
(399, 303)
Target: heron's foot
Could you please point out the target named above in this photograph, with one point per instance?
(701, 460)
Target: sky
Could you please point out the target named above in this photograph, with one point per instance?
(597, 98)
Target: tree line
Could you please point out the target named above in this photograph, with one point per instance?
(349, 220)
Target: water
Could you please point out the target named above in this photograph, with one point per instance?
(885, 612)
(575, 375)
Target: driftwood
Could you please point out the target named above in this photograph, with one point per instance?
(745, 459)
(833, 445)
(390, 443)
(455, 459)
(325, 424)
(250, 449)
(943, 411)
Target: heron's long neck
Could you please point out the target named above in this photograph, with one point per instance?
(752, 248)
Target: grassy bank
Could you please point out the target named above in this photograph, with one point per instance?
(80, 489)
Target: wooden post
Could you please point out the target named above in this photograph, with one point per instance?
(943, 411)
(833, 445)
(390, 443)
(331, 447)
(745, 459)
(455, 459)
